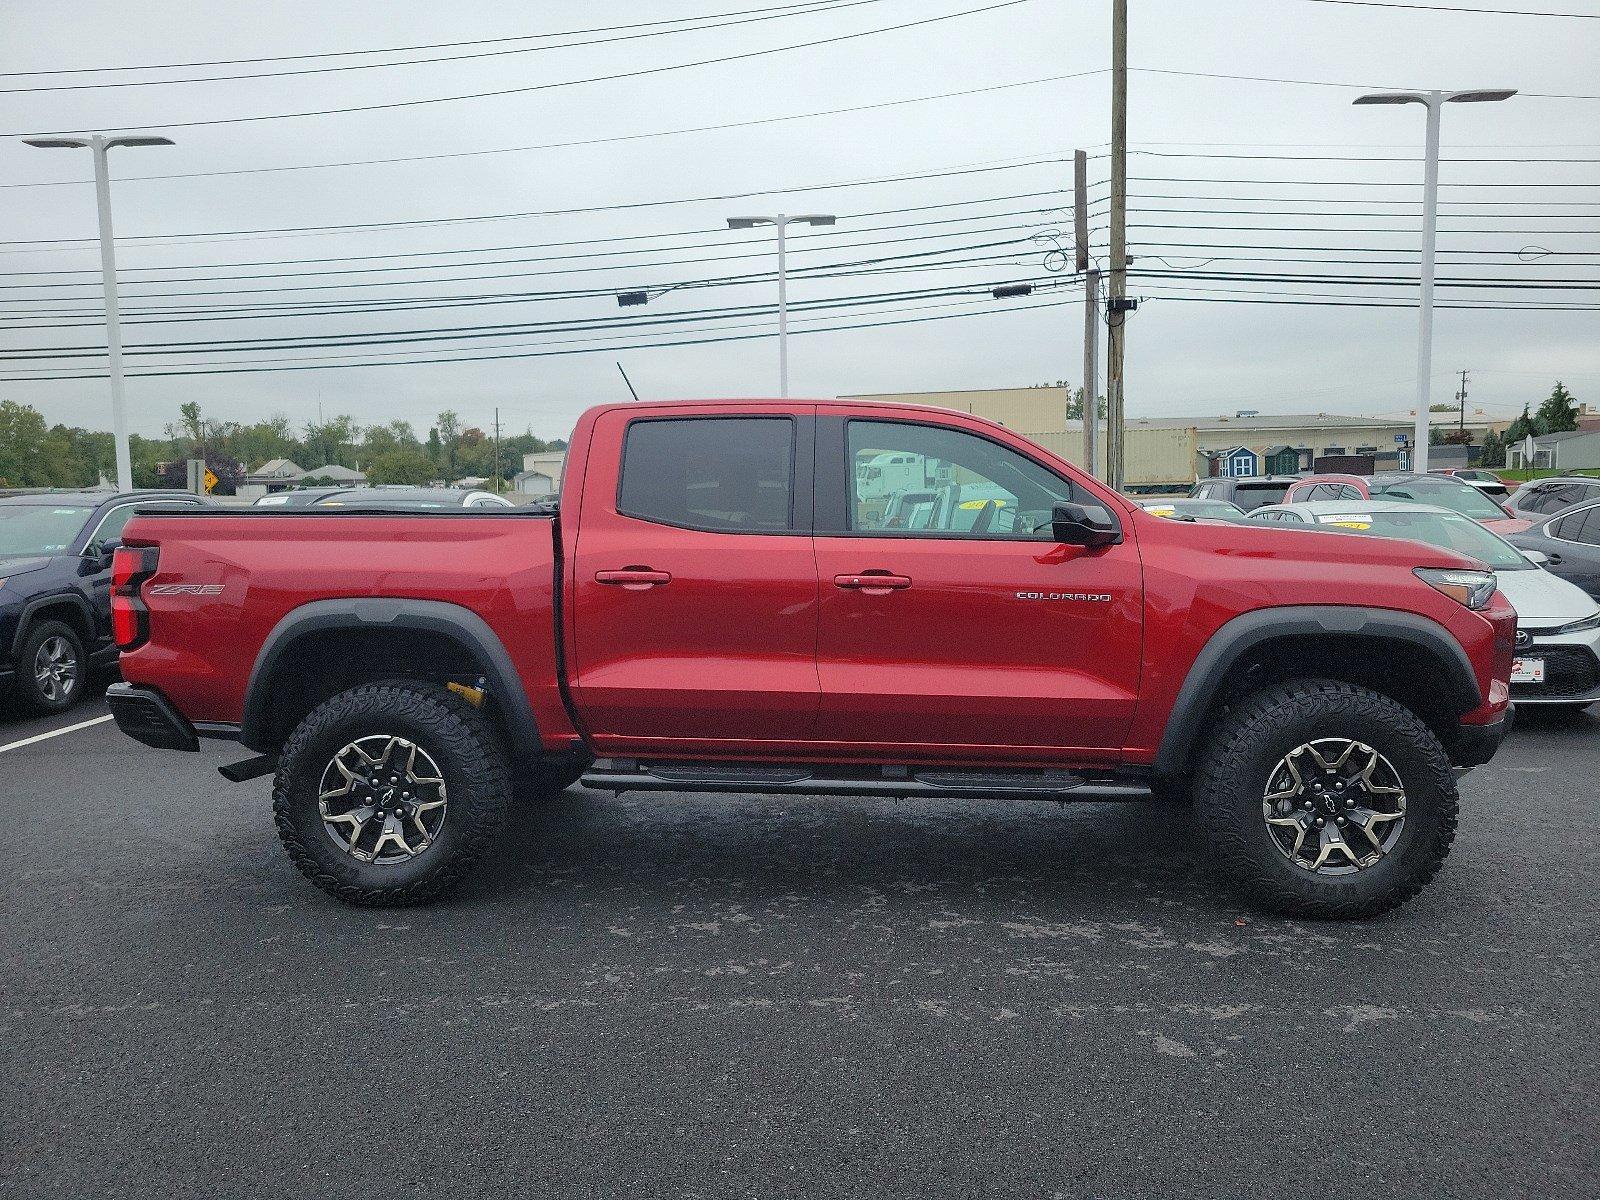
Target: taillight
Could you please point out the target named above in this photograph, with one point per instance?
(130, 619)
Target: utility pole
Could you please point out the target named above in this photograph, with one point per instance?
(1117, 303)
(497, 451)
(1091, 314)
(1461, 399)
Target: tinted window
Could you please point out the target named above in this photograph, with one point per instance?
(1251, 496)
(1579, 527)
(956, 483)
(717, 473)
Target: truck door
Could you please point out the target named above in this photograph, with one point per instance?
(974, 634)
(695, 584)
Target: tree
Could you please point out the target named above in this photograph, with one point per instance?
(1494, 450)
(448, 430)
(1520, 428)
(326, 442)
(1075, 406)
(405, 465)
(22, 446)
(1559, 412)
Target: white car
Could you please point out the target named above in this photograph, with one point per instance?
(1558, 623)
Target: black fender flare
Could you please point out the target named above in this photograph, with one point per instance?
(461, 625)
(66, 599)
(1245, 632)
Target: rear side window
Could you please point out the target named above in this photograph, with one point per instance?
(1579, 527)
(723, 474)
(1251, 496)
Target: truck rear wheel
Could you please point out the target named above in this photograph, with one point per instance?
(1320, 798)
(388, 793)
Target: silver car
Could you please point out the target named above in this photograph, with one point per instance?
(1558, 624)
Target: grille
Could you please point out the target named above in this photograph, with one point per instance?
(1568, 671)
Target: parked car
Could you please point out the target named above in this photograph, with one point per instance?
(296, 497)
(1544, 497)
(718, 607)
(1485, 481)
(1244, 493)
(55, 589)
(410, 497)
(1186, 508)
(1570, 543)
(1443, 490)
(1558, 623)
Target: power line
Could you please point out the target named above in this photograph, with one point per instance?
(361, 226)
(1457, 8)
(511, 37)
(636, 73)
(628, 137)
(788, 11)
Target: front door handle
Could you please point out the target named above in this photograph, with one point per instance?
(1555, 558)
(873, 583)
(634, 579)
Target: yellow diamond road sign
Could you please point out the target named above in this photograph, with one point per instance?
(211, 480)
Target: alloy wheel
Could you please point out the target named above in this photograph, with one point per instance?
(55, 669)
(382, 799)
(1334, 806)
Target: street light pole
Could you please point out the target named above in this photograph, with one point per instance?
(782, 222)
(1434, 102)
(97, 145)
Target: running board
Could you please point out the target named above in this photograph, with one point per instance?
(810, 779)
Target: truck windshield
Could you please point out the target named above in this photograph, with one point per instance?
(34, 529)
(1448, 531)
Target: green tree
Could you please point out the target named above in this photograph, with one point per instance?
(1521, 428)
(448, 430)
(402, 465)
(1494, 450)
(1559, 412)
(23, 436)
(1075, 406)
(329, 443)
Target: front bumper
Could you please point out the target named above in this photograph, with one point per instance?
(1475, 745)
(1572, 669)
(147, 716)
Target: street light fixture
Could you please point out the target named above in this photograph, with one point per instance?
(98, 144)
(1434, 101)
(782, 223)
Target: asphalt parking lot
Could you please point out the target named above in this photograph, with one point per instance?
(707, 996)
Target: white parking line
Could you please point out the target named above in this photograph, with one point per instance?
(41, 737)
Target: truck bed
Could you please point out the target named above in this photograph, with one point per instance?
(229, 578)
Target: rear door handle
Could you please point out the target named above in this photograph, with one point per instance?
(635, 579)
(873, 583)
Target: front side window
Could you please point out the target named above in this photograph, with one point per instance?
(923, 479)
(722, 474)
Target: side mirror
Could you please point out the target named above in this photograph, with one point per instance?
(100, 553)
(1084, 525)
(1537, 557)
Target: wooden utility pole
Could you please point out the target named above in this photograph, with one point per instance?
(1116, 304)
(1091, 314)
(1461, 399)
(497, 488)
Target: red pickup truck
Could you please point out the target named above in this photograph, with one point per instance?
(819, 598)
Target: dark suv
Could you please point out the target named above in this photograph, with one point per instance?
(55, 588)
(1542, 497)
(1247, 492)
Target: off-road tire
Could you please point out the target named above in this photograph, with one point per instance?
(546, 782)
(1244, 748)
(452, 732)
(25, 687)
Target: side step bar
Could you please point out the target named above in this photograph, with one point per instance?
(812, 779)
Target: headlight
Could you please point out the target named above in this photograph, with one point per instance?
(1583, 626)
(1472, 588)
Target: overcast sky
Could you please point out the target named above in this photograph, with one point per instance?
(1184, 356)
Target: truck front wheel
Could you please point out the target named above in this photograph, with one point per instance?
(1320, 798)
(388, 793)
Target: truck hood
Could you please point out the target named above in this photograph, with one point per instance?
(20, 566)
(1541, 598)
